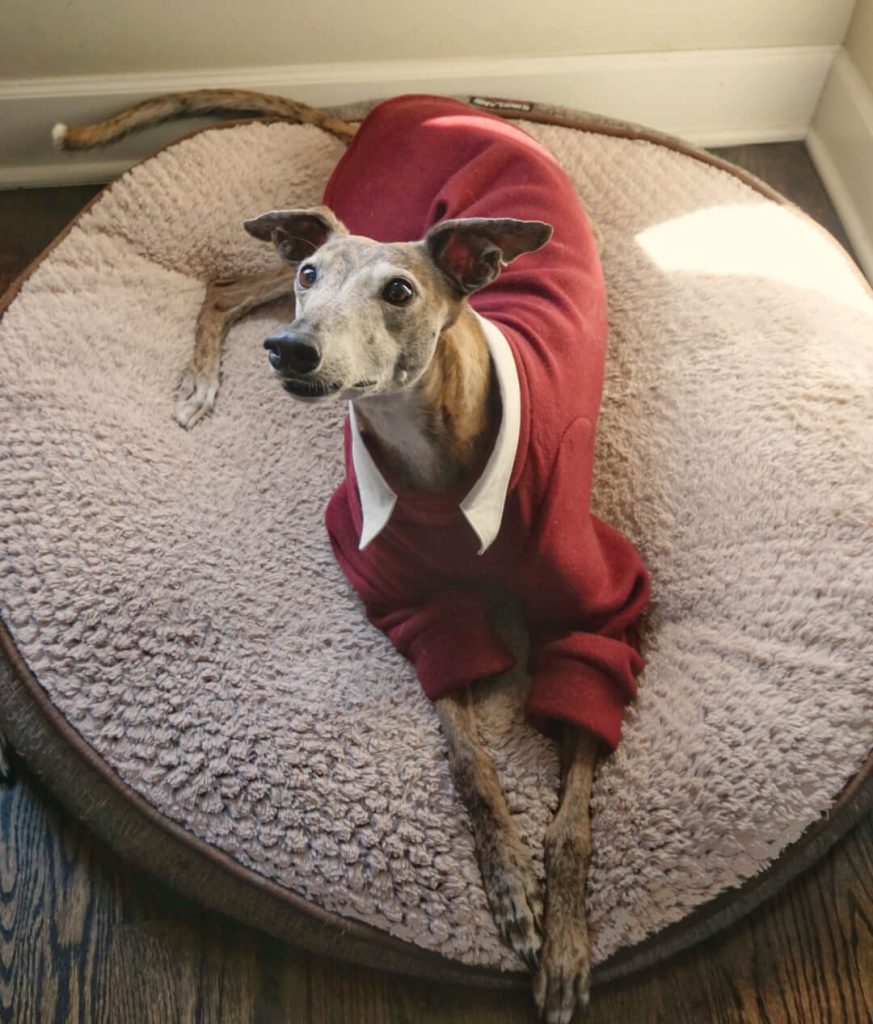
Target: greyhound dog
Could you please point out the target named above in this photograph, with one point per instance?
(444, 204)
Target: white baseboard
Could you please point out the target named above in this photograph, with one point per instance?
(840, 142)
(713, 97)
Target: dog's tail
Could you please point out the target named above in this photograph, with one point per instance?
(200, 101)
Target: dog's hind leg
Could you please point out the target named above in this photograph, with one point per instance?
(563, 979)
(505, 862)
(225, 302)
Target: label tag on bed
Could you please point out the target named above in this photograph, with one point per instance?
(495, 103)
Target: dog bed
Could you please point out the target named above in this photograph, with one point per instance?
(192, 676)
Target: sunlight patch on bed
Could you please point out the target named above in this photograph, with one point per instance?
(754, 240)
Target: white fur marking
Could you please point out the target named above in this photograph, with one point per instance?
(59, 134)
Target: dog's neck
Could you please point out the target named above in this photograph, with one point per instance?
(434, 435)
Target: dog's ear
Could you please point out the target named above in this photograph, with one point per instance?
(471, 250)
(296, 233)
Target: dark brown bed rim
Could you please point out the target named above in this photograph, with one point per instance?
(90, 790)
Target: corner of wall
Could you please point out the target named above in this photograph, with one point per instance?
(840, 142)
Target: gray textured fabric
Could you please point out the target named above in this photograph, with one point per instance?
(176, 596)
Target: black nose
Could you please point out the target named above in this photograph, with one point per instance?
(292, 352)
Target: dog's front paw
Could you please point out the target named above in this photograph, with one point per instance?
(563, 981)
(513, 894)
(195, 397)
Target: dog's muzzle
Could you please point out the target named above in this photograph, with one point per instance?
(292, 353)
(296, 357)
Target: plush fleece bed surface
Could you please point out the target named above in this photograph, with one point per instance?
(173, 596)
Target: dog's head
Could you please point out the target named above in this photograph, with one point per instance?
(369, 314)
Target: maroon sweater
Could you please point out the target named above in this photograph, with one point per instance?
(417, 160)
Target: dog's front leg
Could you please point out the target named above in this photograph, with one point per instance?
(563, 979)
(507, 869)
(225, 302)
(5, 772)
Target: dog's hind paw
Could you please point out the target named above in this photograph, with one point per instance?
(195, 397)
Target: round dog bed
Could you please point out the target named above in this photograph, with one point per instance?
(193, 677)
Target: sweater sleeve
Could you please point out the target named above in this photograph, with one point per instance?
(585, 595)
(443, 629)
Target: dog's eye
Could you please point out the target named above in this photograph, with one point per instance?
(307, 276)
(398, 292)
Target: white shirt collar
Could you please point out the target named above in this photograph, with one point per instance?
(483, 506)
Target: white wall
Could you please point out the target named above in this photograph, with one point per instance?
(716, 72)
(90, 37)
(840, 138)
(859, 41)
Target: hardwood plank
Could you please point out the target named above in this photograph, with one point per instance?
(83, 938)
(30, 219)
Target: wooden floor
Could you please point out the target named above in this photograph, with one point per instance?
(86, 939)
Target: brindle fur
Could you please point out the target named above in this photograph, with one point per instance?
(188, 104)
(458, 388)
(446, 400)
(451, 402)
(225, 302)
